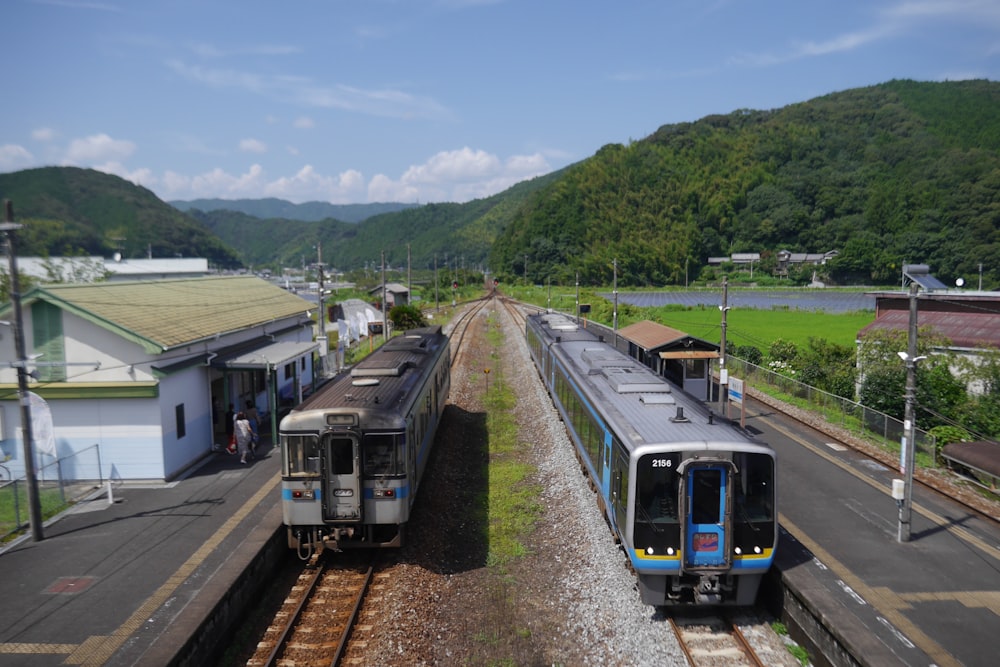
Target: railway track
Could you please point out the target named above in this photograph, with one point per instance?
(316, 620)
(318, 623)
(709, 639)
(461, 326)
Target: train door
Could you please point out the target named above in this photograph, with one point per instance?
(705, 521)
(342, 496)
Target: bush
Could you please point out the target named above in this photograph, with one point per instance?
(749, 353)
(783, 350)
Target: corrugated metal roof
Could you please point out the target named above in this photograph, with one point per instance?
(165, 314)
(968, 330)
(648, 334)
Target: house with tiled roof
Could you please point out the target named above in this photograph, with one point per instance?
(969, 319)
(145, 370)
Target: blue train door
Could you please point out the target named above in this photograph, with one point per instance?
(705, 543)
(342, 496)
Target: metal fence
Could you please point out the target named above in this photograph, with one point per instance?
(848, 414)
(60, 484)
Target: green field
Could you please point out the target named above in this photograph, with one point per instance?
(747, 326)
(744, 326)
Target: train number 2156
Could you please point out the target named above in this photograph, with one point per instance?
(662, 463)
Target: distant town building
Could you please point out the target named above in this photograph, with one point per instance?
(92, 269)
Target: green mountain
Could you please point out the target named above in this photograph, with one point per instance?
(271, 208)
(71, 211)
(902, 172)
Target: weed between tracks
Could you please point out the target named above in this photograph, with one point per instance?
(512, 506)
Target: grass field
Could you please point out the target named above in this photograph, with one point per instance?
(744, 326)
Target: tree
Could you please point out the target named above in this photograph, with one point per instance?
(405, 317)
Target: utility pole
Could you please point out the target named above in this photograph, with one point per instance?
(385, 306)
(614, 263)
(909, 428)
(324, 343)
(578, 297)
(723, 373)
(34, 505)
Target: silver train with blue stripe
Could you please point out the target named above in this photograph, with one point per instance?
(691, 497)
(353, 453)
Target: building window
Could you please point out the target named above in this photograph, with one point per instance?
(47, 337)
(179, 417)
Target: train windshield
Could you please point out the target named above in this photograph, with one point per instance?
(301, 455)
(754, 488)
(384, 455)
(657, 487)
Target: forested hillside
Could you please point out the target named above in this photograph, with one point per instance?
(70, 211)
(902, 172)
(272, 208)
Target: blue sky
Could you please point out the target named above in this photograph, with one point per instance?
(353, 101)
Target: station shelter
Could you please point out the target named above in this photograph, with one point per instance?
(677, 356)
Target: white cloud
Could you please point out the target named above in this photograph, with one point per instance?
(457, 176)
(304, 123)
(305, 92)
(43, 134)
(307, 184)
(253, 146)
(97, 148)
(14, 157)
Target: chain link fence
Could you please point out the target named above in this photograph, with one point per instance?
(61, 484)
(849, 415)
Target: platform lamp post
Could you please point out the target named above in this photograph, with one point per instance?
(904, 496)
(8, 227)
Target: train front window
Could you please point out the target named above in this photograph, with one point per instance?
(341, 456)
(657, 488)
(301, 455)
(754, 493)
(706, 496)
(383, 455)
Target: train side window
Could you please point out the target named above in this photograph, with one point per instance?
(301, 455)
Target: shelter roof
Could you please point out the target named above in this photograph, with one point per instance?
(651, 335)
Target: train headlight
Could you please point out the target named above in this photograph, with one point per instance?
(757, 550)
(670, 551)
(649, 551)
(299, 494)
(343, 493)
(385, 493)
(738, 551)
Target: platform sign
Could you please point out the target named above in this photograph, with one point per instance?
(736, 390)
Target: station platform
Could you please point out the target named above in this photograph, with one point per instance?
(132, 582)
(931, 600)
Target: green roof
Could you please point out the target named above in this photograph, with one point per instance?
(165, 314)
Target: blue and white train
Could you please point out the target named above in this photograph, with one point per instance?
(353, 453)
(691, 497)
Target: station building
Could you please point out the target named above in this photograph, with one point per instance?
(145, 370)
